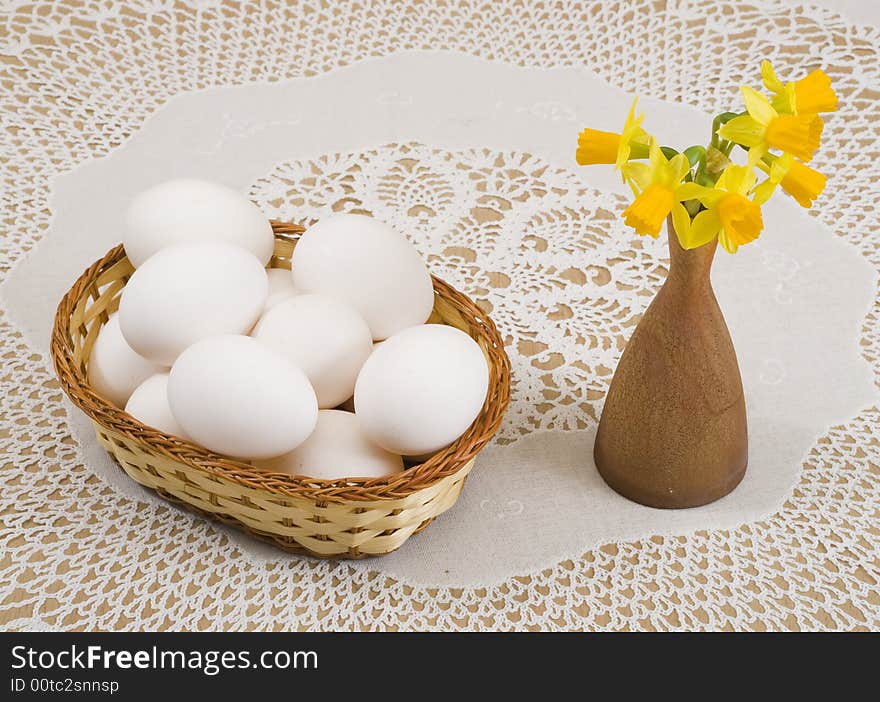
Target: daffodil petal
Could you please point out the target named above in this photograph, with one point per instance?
(749, 178)
(681, 222)
(734, 178)
(764, 191)
(656, 158)
(678, 166)
(631, 116)
(726, 242)
(771, 82)
(691, 191)
(633, 139)
(743, 130)
(784, 101)
(758, 105)
(638, 173)
(703, 229)
(756, 153)
(711, 196)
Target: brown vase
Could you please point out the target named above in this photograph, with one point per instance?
(673, 431)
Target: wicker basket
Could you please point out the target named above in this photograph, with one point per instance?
(333, 519)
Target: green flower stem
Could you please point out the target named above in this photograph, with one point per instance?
(694, 154)
(693, 207)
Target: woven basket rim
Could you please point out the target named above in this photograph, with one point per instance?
(73, 379)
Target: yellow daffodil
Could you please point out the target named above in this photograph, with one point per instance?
(701, 191)
(764, 128)
(729, 213)
(595, 146)
(810, 95)
(803, 183)
(659, 192)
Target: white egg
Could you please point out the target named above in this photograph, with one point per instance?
(115, 369)
(149, 405)
(326, 338)
(365, 263)
(421, 389)
(189, 210)
(238, 397)
(189, 292)
(336, 449)
(280, 287)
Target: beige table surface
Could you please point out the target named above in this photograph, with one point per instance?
(66, 71)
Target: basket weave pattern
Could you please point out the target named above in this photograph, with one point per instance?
(328, 518)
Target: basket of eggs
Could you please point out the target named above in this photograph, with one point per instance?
(314, 387)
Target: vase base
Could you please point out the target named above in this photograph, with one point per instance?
(671, 499)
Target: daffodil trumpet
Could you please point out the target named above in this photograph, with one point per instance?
(705, 193)
(595, 146)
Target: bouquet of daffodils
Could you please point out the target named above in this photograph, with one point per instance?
(706, 194)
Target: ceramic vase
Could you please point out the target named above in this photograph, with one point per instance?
(673, 430)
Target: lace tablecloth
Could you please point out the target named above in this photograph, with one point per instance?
(454, 121)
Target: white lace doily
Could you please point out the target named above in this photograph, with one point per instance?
(83, 548)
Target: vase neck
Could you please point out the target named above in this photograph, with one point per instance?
(689, 266)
